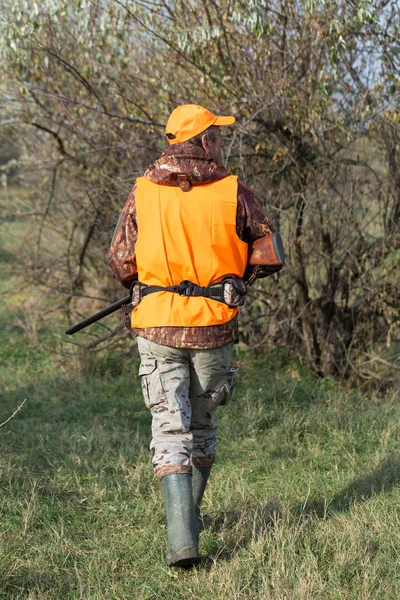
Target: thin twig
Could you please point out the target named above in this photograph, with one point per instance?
(383, 361)
(14, 413)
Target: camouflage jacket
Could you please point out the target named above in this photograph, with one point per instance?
(186, 165)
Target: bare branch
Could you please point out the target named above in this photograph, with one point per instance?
(14, 413)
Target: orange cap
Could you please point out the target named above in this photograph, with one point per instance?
(188, 120)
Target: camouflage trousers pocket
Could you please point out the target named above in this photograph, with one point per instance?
(220, 396)
(223, 394)
(152, 388)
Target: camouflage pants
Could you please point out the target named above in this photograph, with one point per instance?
(182, 388)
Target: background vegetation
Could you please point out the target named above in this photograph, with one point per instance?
(88, 86)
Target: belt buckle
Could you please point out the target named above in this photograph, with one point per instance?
(187, 289)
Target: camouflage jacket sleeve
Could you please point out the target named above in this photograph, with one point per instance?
(252, 223)
(122, 258)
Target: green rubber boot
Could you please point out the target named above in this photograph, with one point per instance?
(182, 528)
(199, 483)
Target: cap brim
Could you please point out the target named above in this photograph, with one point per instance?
(221, 121)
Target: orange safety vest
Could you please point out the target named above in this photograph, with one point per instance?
(186, 236)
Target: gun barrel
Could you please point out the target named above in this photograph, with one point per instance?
(99, 315)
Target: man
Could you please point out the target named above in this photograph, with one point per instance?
(185, 228)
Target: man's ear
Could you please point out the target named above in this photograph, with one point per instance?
(204, 142)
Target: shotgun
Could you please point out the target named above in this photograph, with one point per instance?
(99, 315)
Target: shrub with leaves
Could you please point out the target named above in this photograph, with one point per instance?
(315, 89)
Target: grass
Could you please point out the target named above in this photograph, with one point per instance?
(303, 502)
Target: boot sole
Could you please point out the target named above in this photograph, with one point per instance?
(183, 559)
(186, 562)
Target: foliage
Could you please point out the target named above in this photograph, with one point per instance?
(315, 88)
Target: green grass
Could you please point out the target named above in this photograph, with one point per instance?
(303, 502)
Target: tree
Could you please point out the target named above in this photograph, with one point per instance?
(315, 87)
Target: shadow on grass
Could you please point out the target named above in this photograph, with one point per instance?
(384, 478)
(30, 582)
(239, 528)
(236, 530)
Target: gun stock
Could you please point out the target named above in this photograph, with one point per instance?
(267, 251)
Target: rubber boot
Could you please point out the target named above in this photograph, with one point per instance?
(182, 528)
(199, 483)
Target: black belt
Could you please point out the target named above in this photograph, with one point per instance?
(230, 291)
(187, 288)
